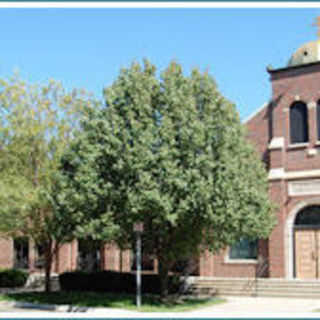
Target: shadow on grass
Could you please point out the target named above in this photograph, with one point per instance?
(111, 300)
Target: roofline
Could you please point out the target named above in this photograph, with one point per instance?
(250, 117)
(271, 71)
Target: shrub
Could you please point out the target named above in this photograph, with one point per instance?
(111, 281)
(10, 278)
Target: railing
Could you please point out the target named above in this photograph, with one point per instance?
(261, 270)
(190, 268)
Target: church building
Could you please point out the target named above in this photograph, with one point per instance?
(286, 133)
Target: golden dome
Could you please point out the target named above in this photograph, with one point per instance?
(307, 53)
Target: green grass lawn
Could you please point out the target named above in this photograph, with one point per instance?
(110, 300)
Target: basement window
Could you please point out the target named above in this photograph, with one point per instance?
(244, 249)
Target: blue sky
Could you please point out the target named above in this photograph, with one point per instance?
(86, 47)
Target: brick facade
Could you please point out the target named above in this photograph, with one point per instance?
(6, 253)
(287, 164)
(269, 131)
(66, 259)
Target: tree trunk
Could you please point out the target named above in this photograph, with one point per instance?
(48, 265)
(47, 278)
(164, 279)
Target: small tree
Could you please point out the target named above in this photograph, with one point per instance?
(171, 153)
(37, 124)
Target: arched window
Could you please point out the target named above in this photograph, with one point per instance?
(299, 123)
(309, 216)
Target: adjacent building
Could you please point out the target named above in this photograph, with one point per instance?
(286, 133)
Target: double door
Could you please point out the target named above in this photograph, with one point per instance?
(307, 253)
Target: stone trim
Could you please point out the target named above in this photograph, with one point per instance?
(276, 174)
(276, 143)
(280, 173)
(304, 187)
(312, 152)
(227, 260)
(311, 105)
(298, 145)
(240, 261)
(302, 174)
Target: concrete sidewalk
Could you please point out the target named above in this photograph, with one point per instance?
(262, 306)
(234, 307)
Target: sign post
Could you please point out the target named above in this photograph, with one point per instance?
(138, 229)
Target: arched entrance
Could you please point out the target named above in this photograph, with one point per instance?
(307, 243)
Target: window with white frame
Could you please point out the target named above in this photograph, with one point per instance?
(244, 249)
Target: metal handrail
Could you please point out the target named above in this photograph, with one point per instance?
(263, 264)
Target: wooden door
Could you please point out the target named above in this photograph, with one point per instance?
(306, 254)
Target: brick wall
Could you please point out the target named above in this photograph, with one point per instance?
(112, 258)
(258, 130)
(288, 86)
(6, 253)
(218, 265)
(115, 259)
(64, 259)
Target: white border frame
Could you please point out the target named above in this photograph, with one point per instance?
(161, 4)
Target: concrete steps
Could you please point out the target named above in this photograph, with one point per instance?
(37, 280)
(261, 287)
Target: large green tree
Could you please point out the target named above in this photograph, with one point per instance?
(170, 152)
(37, 124)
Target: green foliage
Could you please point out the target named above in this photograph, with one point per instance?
(37, 124)
(10, 278)
(172, 153)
